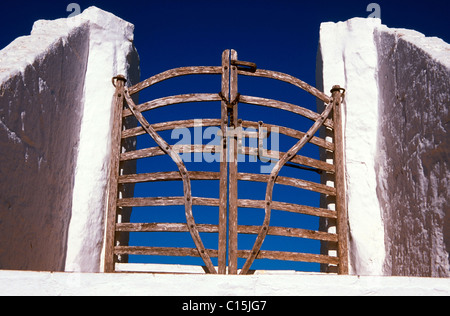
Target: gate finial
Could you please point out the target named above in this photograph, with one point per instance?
(118, 77)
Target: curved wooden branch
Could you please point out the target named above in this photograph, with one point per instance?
(167, 176)
(288, 207)
(284, 106)
(164, 126)
(286, 131)
(293, 182)
(272, 178)
(289, 79)
(157, 151)
(175, 99)
(185, 177)
(172, 73)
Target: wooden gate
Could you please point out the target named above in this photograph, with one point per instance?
(228, 203)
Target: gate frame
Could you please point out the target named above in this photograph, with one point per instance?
(230, 70)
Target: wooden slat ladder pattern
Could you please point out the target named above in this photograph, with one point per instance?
(232, 130)
(185, 177)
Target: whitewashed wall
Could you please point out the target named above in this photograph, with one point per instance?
(136, 284)
(413, 151)
(55, 121)
(396, 144)
(40, 116)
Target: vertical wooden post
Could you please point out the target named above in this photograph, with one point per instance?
(341, 205)
(119, 82)
(233, 218)
(223, 190)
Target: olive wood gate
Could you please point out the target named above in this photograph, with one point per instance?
(228, 202)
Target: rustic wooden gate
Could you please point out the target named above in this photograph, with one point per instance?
(228, 202)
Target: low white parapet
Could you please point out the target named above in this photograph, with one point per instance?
(143, 284)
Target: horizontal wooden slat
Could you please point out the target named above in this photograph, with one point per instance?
(142, 153)
(157, 151)
(288, 207)
(158, 127)
(289, 232)
(164, 227)
(289, 132)
(207, 228)
(289, 79)
(175, 99)
(290, 256)
(301, 160)
(298, 183)
(172, 73)
(284, 106)
(167, 176)
(162, 251)
(165, 201)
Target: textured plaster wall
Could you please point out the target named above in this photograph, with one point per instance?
(396, 144)
(111, 53)
(414, 151)
(40, 115)
(136, 284)
(348, 57)
(55, 126)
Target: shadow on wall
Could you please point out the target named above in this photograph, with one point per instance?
(447, 231)
(40, 117)
(414, 150)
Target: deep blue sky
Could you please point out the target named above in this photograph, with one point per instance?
(279, 35)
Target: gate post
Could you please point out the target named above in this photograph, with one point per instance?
(233, 189)
(341, 204)
(119, 83)
(223, 193)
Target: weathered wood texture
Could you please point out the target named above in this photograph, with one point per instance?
(284, 106)
(288, 132)
(341, 205)
(186, 182)
(228, 202)
(164, 227)
(118, 103)
(167, 176)
(165, 126)
(177, 72)
(163, 251)
(294, 182)
(233, 185)
(157, 151)
(166, 201)
(269, 191)
(223, 190)
(289, 79)
(288, 207)
(208, 228)
(288, 256)
(301, 160)
(178, 99)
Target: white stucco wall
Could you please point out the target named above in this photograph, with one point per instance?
(40, 115)
(55, 113)
(126, 284)
(111, 53)
(396, 144)
(348, 58)
(413, 151)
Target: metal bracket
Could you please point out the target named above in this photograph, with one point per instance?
(119, 77)
(244, 65)
(262, 134)
(339, 89)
